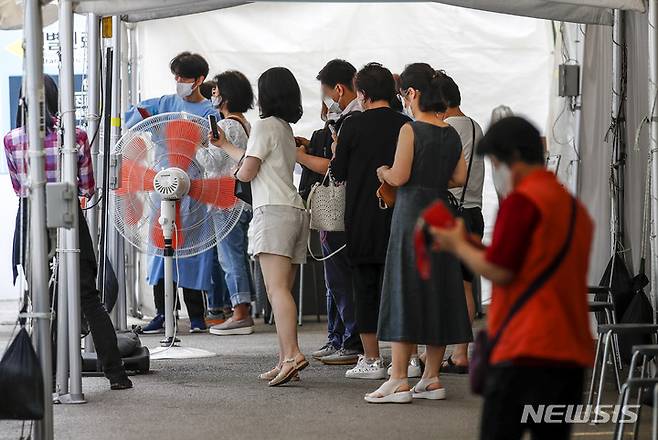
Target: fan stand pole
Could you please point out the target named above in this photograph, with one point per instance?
(168, 210)
(169, 345)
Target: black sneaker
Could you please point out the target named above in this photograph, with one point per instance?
(120, 383)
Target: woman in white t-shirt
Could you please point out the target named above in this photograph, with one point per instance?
(279, 230)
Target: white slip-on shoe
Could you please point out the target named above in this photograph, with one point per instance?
(367, 370)
(388, 393)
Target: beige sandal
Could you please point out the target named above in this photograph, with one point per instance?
(288, 371)
(274, 372)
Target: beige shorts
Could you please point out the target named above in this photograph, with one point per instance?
(279, 230)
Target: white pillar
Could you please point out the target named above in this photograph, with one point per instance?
(653, 142)
(38, 250)
(69, 167)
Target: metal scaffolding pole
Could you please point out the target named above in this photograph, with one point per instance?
(618, 155)
(38, 273)
(70, 175)
(93, 114)
(653, 142)
(62, 377)
(115, 241)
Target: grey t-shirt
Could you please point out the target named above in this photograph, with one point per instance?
(464, 127)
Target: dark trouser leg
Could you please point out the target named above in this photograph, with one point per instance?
(338, 276)
(159, 297)
(100, 325)
(334, 325)
(194, 301)
(509, 389)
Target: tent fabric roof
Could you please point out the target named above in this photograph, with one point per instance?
(578, 11)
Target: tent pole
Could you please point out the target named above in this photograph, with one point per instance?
(62, 376)
(653, 142)
(93, 115)
(38, 274)
(617, 159)
(70, 176)
(119, 313)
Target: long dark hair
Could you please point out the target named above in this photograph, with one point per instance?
(52, 104)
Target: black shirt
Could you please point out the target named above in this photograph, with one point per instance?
(366, 142)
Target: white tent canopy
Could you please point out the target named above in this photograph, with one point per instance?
(579, 11)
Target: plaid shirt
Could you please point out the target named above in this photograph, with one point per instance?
(16, 150)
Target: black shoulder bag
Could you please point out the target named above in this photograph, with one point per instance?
(483, 345)
(242, 189)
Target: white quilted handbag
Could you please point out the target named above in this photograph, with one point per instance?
(326, 205)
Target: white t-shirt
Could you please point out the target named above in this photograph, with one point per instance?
(462, 124)
(272, 142)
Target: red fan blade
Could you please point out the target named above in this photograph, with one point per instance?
(183, 138)
(133, 209)
(135, 177)
(215, 191)
(157, 237)
(136, 149)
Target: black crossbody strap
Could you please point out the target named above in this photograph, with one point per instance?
(470, 166)
(542, 278)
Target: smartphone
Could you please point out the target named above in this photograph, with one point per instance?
(212, 119)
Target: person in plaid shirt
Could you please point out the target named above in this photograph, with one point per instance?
(16, 150)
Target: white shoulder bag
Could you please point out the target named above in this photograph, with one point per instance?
(326, 208)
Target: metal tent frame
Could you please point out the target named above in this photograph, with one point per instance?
(581, 11)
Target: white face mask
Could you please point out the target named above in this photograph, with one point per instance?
(332, 106)
(184, 89)
(502, 178)
(216, 101)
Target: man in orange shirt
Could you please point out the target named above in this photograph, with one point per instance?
(541, 356)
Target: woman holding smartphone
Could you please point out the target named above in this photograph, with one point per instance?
(279, 230)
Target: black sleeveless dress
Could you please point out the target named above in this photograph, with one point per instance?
(413, 310)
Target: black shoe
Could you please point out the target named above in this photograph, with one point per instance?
(121, 383)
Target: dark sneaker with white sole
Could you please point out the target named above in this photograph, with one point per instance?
(326, 350)
(341, 357)
(156, 326)
(233, 327)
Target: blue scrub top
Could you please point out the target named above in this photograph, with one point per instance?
(195, 272)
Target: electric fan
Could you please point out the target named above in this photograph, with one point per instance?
(175, 198)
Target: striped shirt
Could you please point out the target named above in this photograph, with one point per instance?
(16, 150)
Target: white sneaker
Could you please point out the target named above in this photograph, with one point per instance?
(413, 370)
(365, 370)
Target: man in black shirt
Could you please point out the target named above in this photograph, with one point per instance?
(343, 343)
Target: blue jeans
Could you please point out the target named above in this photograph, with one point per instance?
(341, 318)
(232, 253)
(218, 296)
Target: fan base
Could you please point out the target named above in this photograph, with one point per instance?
(176, 352)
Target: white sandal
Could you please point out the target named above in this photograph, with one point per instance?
(420, 391)
(388, 393)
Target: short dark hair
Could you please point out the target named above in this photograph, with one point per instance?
(337, 72)
(279, 95)
(189, 65)
(511, 140)
(375, 82)
(206, 89)
(235, 89)
(450, 90)
(422, 77)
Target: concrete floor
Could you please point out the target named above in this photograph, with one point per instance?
(220, 397)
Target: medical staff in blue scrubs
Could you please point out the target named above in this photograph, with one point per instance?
(190, 71)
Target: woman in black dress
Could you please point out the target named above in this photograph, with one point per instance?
(428, 161)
